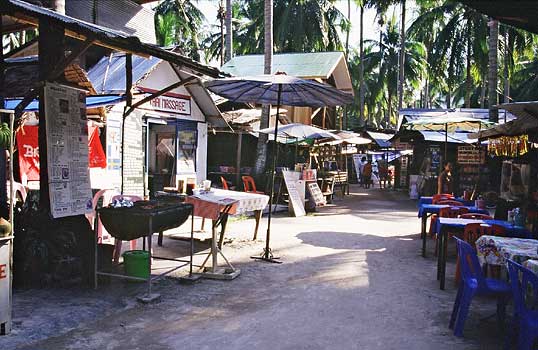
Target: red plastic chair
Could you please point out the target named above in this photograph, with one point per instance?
(476, 216)
(449, 212)
(249, 185)
(224, 183)
(472, 232)
(118, 242)
(443, 196)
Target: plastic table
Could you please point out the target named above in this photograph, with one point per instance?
(445, 225)
(426, 210)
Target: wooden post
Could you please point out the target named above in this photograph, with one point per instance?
(238, 161)
(3, 165)
(51, 51)
(128, 104)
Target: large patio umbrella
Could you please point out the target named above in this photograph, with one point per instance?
(448, 124)
(278, 89)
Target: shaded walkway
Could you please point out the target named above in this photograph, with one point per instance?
(352, 278)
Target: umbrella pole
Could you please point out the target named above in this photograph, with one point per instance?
(267, 253)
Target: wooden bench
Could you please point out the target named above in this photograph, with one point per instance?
(340, 181)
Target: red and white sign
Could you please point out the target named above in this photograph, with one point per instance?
(27, 146)
(169, 102)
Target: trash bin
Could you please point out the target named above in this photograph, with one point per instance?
(136, 263)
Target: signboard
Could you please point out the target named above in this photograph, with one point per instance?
(471, 155)
(5, 286)
(317, 195)
(169, 102)
(291, 178)
(67, 153)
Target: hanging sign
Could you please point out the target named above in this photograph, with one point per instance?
(290, 179)
(169, 102)
(67, 151)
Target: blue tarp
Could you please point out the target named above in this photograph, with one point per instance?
(91, 102)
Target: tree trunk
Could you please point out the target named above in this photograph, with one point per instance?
(261, 151)
(229, 42)
(493, 46)
(448, 99)
(506, 72)
(402, 58)
(427, 93)
(468, 80)
(389, 109)
(361, 66)
(348, 27)
(483, 93)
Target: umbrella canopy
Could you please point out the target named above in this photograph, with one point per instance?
(452, 124)
(351, 137)
(301, 132)
(263, 89)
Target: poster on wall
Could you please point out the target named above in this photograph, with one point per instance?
(67, 154)
(515, 180)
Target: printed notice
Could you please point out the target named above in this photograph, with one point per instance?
(67, 151)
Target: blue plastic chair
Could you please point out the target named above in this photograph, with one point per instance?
(474, 283)
(525, 291)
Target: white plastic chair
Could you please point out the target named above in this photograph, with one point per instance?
(118, 242)
(20, 191)
(107, 195)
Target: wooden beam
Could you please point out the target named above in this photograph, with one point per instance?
(28, 98)
(158, 93)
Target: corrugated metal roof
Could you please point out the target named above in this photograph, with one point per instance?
(408, 114)
(124, 15)
(108, 75)
(303, 65)
(17, 9)
(526, 122)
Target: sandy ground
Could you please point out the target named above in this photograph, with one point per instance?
(352, 278)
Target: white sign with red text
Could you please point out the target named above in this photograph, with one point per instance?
(169, 102)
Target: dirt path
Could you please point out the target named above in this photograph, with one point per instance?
(352, 278)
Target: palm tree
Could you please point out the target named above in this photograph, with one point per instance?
(178, 22)
(268, 62)
(455, 37)
(381, 69)
(229, 39)
(493, 49)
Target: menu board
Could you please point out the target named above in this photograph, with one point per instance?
(291, 178)
(67, 151)
(471, 155)
(317, 195)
